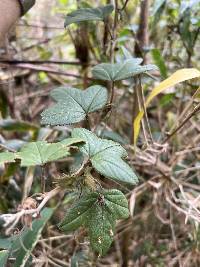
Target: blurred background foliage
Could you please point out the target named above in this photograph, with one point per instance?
(41, 55)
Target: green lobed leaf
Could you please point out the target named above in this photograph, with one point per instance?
(120, 71)
(41, 152)
(88, 14)
(106, 156)
(97, 212)
(102, 220)
(74, 104)
(79, 213)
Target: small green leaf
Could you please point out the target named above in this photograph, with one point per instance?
(88, 14)
(41, 152)
(3, 257)
(97, 212)
(106, 156)
(101, 225)
(6, 157)
(74, 104)
(120, 71)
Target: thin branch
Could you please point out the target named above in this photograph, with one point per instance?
(12, 219)
(7, 148)
(49, 70)
(39, 26)
(56, 62)
(195, 110)
(124, 5)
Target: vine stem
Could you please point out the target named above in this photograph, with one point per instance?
(112, 92)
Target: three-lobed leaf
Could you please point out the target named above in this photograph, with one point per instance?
(106, 156)
(98, 212)
(74, 104)
(88, 14)
(120, 71)
(40, 152)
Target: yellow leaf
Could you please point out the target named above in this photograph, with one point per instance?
(177, 77)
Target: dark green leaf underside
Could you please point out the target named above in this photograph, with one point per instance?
(97, 212)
